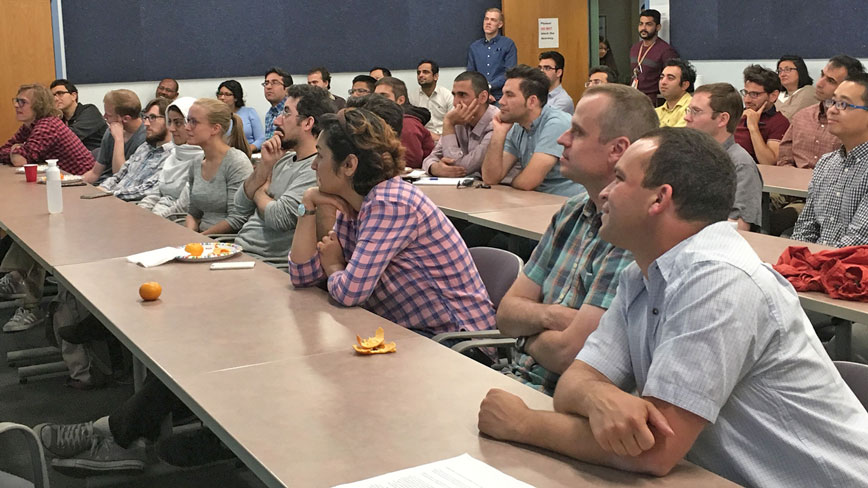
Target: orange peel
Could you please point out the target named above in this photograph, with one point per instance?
(374, 345)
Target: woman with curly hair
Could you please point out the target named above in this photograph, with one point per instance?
(392, 250)
(43, 134)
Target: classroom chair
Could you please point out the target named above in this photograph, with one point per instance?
(22, 463)
(856, 377)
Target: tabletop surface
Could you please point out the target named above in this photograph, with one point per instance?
(786, 180)
(465, 201)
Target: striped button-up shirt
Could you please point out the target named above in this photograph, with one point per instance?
(807, 139)
(836, 213)
(405, 262)
(49, 138)
(714, 331)
(574, 267)
(272, 114)
(140, 173)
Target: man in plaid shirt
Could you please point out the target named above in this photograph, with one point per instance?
(572, 275)
(141, 172)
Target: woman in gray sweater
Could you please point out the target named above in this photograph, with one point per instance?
(214, 180)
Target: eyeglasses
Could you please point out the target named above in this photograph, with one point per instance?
(471, 183)
(151, 118)
(546, 68)
(20, 102)
(286, 112)
(272, 83)
(593, 82)
(786, 70)
(750, 94)
(693, 112)
(192, 122)
(176, 122)
(842, 105)
(358, 91)
(224, 94)
(60, 93)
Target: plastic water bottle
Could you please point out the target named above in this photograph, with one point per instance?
(52, 185)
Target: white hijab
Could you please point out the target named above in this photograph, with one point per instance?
(173, 176)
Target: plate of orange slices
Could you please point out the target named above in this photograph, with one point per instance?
(202, 252)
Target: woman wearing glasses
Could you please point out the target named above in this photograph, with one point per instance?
(43, 135)
(231, 93)
(214, 180)
(392, 250)
(172, 194)
(798, 91)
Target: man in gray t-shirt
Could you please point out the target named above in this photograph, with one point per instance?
(716, 109)
(272, 194)
(728, 371)
(122, 110)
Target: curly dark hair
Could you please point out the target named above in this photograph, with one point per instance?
(361, 132)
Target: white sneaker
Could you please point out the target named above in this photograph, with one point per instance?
(23, 319)
(104, 456)
(11, 288)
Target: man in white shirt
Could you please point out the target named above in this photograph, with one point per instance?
(437, 99)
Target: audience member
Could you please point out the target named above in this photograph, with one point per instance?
(435, 98)
(649, 55)
(126, 132)
(607, 58)
(551, 63)
(729, 372)
(762, 127)
(270, 196)
(362, 85)
(141, 173)
(600, 75)
(321, 77)
(836, 213)
(493, 54)
(172, 193)
(387, 237)
(83, 119)
(275, 85)
(215, 180)
(168, 88)
(466, 130)
(231, 93)
(716, 109)
(553, 305)
(416, 139)
(378, 72)
(525, 135)
(797, 92)
(676, 85)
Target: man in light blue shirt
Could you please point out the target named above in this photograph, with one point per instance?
(493, 54)
(729, 372)
(551, 63)
(526, 135)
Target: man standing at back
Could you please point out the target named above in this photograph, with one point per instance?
(525, 135)
(274, 87)
(551, 63)
(83, 119)
(122, 110)
(649, 55)
(430, 95)
(493, 54)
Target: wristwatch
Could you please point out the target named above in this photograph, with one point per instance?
(303, 211)
(520, 343)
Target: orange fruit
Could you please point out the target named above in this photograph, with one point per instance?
(150, 291)
(194, 248)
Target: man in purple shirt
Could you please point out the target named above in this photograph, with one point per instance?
(466, 130)
(761, 127)
(649, 55)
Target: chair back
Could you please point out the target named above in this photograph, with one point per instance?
(498, 270)
(21, 458)
(856, 377)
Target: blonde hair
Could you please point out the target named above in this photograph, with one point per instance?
(125, 102)
(41, 101)
(219, 113)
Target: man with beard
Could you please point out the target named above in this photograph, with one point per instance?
(761, 127)
(437, 99)
(270, 197)
(649, 55)
(526, 135)
(274, 88)
(141, 172)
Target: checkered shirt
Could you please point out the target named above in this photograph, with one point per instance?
(49, 138)
(140, 173)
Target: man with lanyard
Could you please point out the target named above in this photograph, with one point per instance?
(649, 55)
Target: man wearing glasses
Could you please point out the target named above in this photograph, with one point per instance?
(551, 63)
(140, 173)
(275, 85)
(836, 213)
(601, 75)
(168, 89)
(122, 110)
(362, 85)
(762, 127)
(83, 119)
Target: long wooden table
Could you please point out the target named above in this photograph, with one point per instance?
(786, 180)
(462, 203)
(270, 369)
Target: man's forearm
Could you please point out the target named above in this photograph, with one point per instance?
(256, 180)
(764, 154)
(492, 165)
(518, 316)
(118, 158)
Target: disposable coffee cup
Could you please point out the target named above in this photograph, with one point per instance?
(30, 172)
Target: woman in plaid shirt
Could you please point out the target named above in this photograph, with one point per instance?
(392, 250)
(43, 135)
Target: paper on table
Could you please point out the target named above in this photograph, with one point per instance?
(462, 471)
(415, 174)
(149, 259)
(439, 181)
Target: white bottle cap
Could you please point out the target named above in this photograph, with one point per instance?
(51, 162)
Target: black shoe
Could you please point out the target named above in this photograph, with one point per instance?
(193, 449)
(88, 330)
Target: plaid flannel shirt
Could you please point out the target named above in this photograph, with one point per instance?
(139, 174)
(49, 138)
